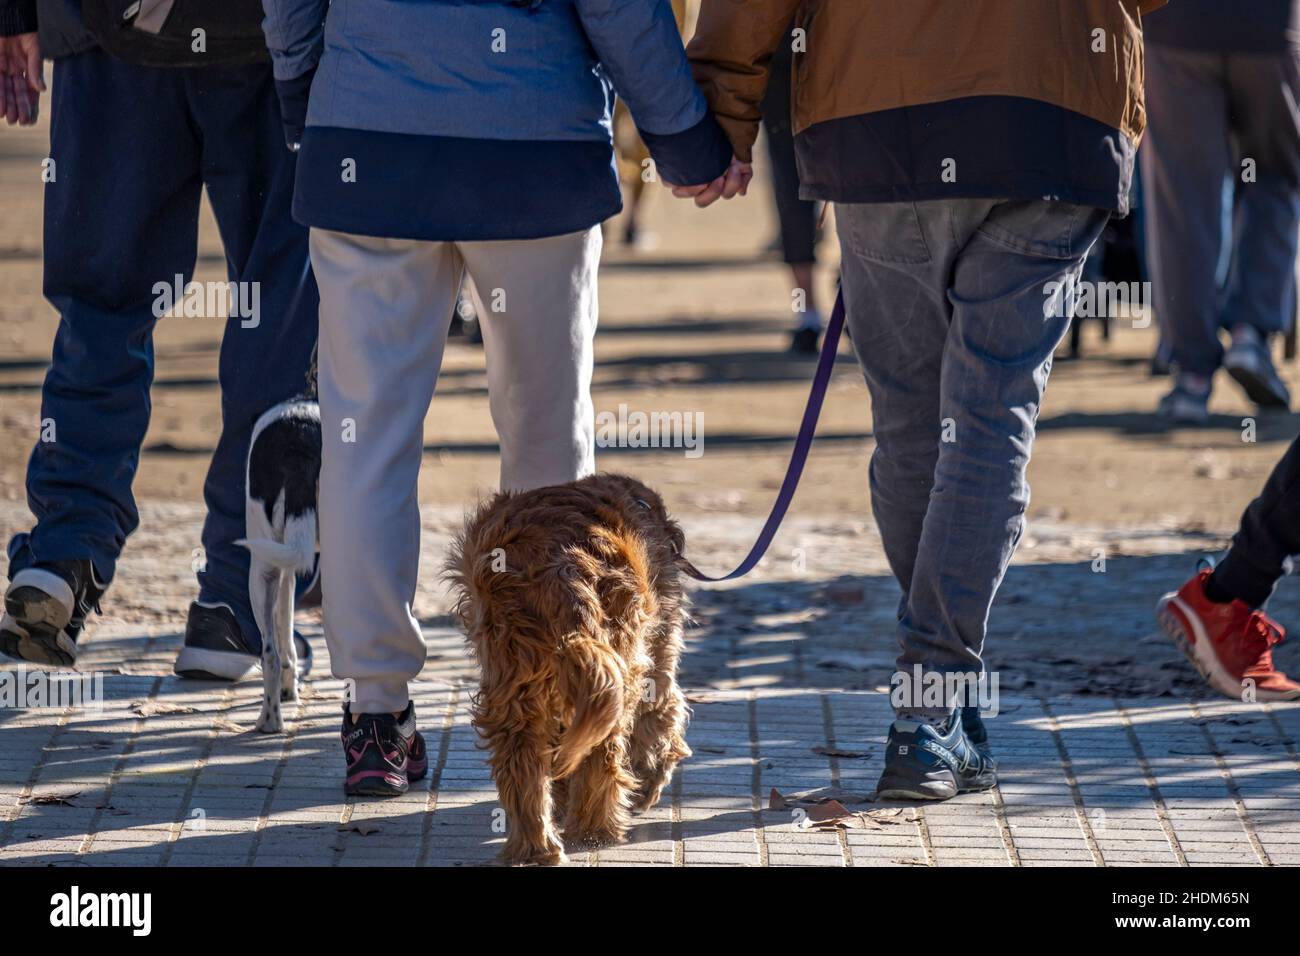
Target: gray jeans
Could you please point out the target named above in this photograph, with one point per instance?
(951, 310)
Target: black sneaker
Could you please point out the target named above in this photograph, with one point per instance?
(45, 610)
(925, 762)
(805, 342)
(215, 647)
(383, 753)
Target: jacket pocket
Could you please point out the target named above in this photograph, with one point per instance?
(883, 232)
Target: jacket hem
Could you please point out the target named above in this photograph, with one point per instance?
(446, 188)
(974, 148)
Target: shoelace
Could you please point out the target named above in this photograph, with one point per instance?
(386, 735)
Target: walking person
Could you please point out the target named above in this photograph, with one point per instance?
(487, 152)
(797, 217)
(132, 147)
(1223, 81)
(937, 129)
(1217, 618)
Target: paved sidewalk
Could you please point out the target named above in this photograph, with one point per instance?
(170, 772)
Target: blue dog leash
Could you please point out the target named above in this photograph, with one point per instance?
(798, 457)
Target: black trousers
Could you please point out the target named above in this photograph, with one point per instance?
(1269, 533)
(798, 216)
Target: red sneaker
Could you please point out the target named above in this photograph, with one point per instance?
(1231, 645)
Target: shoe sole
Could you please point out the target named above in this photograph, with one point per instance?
(33, 630)
(1258, 388)
(379, 785)
(1197, 648)
(376, 784)
(199, 663)
(933, 786)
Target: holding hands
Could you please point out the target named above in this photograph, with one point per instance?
(734, 182)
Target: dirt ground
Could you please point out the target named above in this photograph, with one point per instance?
(699, 325)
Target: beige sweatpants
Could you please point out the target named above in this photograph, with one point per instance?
(386, 306)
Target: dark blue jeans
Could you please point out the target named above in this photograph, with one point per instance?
(1210, 112)
(133, 148)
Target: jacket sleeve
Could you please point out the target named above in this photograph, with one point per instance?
(295, 35)
(17, 16)
(731, 55)
(641, 52)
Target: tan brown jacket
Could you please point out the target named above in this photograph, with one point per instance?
(955, 71)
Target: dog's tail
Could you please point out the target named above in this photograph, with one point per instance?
(591, 679)
(297, 552)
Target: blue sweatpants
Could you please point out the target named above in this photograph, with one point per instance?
(133, 147)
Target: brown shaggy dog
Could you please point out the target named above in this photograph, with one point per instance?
(571, 599)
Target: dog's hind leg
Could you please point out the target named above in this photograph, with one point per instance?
(559, 797)
(599, 794)
(263, 592)
(521, 767)
(286, 651)
(658, 742)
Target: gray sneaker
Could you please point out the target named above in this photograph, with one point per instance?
(928, 762)
(46, 608)
(1184, 405)
(1251, 367)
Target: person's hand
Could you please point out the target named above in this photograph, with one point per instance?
(293, 96)
(734, 182)
(22, 78)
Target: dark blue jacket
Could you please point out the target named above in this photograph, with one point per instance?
(482, 119)
(1226, 26)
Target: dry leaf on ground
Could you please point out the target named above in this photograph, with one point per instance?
(51, 799)
(840, 752)
(152, 708)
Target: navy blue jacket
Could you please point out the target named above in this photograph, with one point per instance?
(481, 119)
(1226, 26)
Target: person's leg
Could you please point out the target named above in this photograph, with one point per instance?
(893, 260)
(1010, 310)
(386, 305)
(1186, 104)
(538, 305)
(797, 217)
(898, 263)
(264, 355)
(1268, 535)
(1260, 300)
(121, 214)
(1217, 619)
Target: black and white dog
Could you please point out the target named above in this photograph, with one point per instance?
(280, 524)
